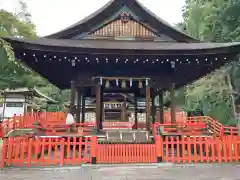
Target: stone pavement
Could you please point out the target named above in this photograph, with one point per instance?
(130, 172)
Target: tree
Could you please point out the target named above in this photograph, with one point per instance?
(14, 74)
(13, 25)
(217, 21)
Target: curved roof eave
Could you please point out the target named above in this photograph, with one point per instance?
(124, 47)
(113, 6)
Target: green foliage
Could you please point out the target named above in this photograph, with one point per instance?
(217, 21)
(14, 74)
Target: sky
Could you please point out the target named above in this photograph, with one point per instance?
(51, 16)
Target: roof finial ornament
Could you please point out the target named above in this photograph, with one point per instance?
(125, 17)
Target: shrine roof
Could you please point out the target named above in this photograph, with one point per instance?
(169, 56)
(112, 7)
(122, 46)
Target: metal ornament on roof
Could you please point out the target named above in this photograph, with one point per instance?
(125, 17)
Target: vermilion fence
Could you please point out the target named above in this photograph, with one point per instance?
(180, 116)
(25, 151)
(183, 128)
(55, 120)
(126, 153)
(28, 120)
(233, 131)
(199, 125)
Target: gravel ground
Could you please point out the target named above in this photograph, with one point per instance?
(130, 172)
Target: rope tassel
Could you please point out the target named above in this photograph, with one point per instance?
(123, 84)
(140, 84)
(107, 85)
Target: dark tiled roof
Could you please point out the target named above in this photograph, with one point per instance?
(59, 45)
(146, 16)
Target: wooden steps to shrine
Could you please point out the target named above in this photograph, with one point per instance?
(128, 136)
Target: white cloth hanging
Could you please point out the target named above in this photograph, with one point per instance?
(70, 119)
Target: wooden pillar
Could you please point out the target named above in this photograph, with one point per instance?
(73, 95)
(124, 110)
(173, 108)
(83, 105)
(101, 107)
(135, 112)
(79, 104)
(153, 107)
(161, 107)
(148, 109)
(238, 127)
(98, 107)
(4, 106)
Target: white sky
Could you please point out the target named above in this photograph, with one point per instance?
(50, 16)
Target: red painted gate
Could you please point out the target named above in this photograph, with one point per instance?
(126, 153)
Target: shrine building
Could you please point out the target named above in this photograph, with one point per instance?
(118, 59)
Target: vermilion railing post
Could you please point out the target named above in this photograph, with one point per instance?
(62, 151)
(4, 152)
(94, 149)
(158, 116)
(19, 120)
(159, 148)
(22, 121)
(154, 129)
(30, 150)
(13, 121)
(222, 131)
